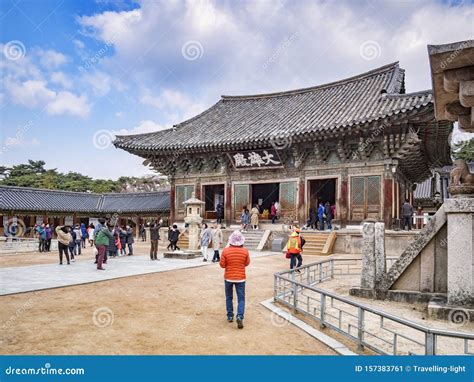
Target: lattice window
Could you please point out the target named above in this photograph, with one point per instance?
(183, 193)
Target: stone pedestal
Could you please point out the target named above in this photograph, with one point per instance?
(368, 256)
(460, 242)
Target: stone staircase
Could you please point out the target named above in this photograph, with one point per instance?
(315, 243)
(183, 242)
(253, 238)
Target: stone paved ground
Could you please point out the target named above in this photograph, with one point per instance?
(44, 276)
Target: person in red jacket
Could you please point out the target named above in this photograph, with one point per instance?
(234, 259)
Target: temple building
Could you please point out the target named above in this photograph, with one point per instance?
(23, 207)
(360, 143)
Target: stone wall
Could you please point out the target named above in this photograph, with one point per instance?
(350, 242)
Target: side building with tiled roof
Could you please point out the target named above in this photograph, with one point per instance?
(360, 143)
(24, 207)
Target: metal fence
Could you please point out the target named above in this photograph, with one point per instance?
(374, 329)
(10, 245)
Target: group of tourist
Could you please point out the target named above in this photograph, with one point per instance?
(211, 236)
(250, 219)
(321, 216)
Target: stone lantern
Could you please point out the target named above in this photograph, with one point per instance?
(193, 207)
(193, 219)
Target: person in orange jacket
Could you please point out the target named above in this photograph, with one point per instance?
(234, 259)
(294, 248)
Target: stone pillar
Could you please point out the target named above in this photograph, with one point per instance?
(460, 239)
(379, 244)
(367, 279)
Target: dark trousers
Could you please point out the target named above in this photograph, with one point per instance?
(229, 296)
(216, 255)
(42, 243)
(71, 251)
(77, 247)
(101, 249)
(130, 249)
(219, 220)
(407, 222)
(273, 219)
(154, 249)
(293, 259)
(47, 245)
(173, 245)
(63, 249)
(321, 223)
(83, 242)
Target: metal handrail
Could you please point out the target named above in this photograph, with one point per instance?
(296, 286)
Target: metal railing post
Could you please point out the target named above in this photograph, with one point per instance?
(275, 287)
(295, 296)
(430, 342)
(360, 328)
(332, 268)
(323, 310)
(320, 272)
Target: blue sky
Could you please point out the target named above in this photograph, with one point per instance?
(75, 73)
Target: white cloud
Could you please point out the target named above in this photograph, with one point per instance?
(79, 44)
(30, 93)
(50, 59)
(61, 79)
(145, 126)
(119, 114)
(69, 103)
(173, 103)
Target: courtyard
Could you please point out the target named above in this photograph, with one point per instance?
(169, 311)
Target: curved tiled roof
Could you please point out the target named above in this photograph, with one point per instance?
(259, 118)
(34, 199)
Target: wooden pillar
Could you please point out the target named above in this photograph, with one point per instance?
(172, 202)
(228, 204)
(387, 202)
(343, 203)
(197, 190)
(301, 207)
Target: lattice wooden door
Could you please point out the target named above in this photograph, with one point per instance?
(241, 198)
(365, 197)
(288, 200)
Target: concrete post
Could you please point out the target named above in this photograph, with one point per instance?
(460, 240)
(368, 256)
(380, 261)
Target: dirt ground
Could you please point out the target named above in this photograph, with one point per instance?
(175, 312)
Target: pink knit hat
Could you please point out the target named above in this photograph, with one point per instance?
(236, 239)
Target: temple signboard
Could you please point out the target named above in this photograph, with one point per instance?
(255, 159)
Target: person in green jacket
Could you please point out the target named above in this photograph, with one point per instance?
(101, 242)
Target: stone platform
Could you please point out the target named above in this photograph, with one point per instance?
(183, 255)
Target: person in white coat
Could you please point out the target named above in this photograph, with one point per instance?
(217, 240)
